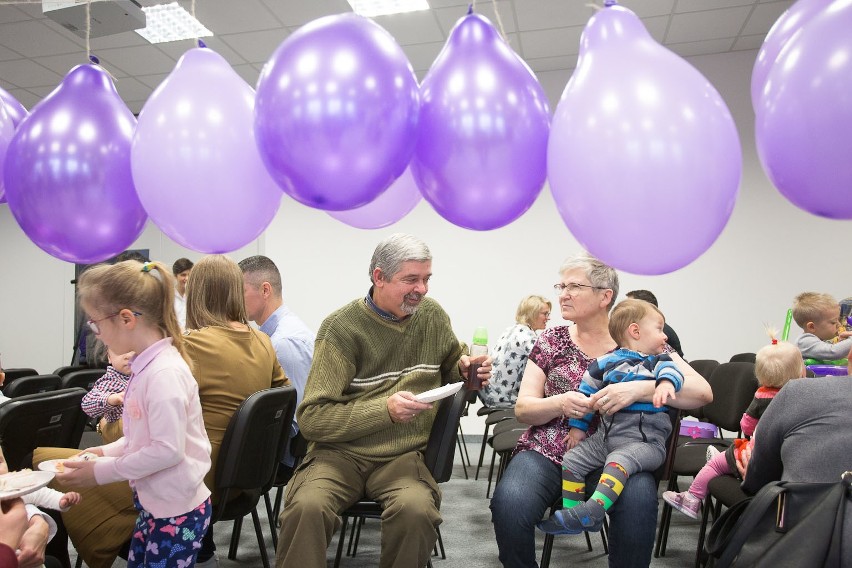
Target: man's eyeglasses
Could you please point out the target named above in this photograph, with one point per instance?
(573, 288)
(93, 324)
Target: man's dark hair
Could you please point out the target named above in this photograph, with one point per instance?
(643, 295)
(181, 265)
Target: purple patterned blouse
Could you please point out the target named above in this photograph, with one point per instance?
(563, 364)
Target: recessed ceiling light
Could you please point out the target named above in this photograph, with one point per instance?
(170, 22)
(372, 8)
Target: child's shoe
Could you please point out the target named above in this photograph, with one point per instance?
(712, 452)
(685, 502)
(571, 521)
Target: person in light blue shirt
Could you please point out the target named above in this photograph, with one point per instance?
(292, 339)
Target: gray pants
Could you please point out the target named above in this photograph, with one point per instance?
(634, 440)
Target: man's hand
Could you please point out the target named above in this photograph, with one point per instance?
(484, 372)
(32, 544)
(404, 408)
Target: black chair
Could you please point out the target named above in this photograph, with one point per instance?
(725, 490)
(32, 385)
(743, 358)
(733, 385)
(83, 378)
(662, 472)
(16, 373)
(248, 457)
(503, 440)
(493, 415)
(439, 455)
(51, 419)
(65, 369)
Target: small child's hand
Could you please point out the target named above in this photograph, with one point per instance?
(574, 437)
(70, 498)
(116, 399)
(844, 334)
(665, 391)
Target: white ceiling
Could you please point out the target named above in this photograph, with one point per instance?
(36, 52)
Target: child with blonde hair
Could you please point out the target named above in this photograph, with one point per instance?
(775, 365)
(165, 452)
(629, 441)
(819, 317)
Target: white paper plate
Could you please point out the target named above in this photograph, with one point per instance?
(35, 480)
(50, 465)
(440, 392)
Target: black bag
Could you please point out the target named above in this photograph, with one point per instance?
(785, 524)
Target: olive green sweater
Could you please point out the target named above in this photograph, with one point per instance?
(360, 360)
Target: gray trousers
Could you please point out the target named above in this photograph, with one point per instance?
(634, 440)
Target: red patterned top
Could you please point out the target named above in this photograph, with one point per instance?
(563, 364)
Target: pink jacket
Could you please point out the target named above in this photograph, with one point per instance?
(165, 452)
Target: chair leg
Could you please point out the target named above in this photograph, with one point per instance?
(705, 513)
(462, 451)
(441, 545)
(463, 446)
(261, 543)
(79, 561)
(604, 533)
(482, 450)
(271, 516)
(546, 550)
(340, 540)
(490, 473)
(588, 541)
(665, 517)
(235, 538)
(354, 542)
(276, 510)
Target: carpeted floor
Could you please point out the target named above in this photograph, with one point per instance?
(467, 534)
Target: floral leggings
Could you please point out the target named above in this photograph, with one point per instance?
(170, 542)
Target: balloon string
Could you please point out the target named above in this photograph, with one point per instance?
(197, 41)
(499, 21)
(88, 28)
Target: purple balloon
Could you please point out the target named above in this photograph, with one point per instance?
(484, 120)
(68, 178)
(393, 204)
(644, 160)
(804, 119)
(336, 112)
(195, 162)
(795, 18)
(7, 130)
(16, 111)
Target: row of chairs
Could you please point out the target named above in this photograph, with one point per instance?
(26, 381)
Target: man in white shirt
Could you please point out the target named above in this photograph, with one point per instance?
(292, 339)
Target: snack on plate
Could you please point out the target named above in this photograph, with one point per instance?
(85, 456)
(16, 480)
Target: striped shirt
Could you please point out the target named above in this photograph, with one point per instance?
(95, 402)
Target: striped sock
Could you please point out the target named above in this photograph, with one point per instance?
(573, 489)
(609, 488)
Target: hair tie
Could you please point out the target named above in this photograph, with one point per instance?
(147, 266)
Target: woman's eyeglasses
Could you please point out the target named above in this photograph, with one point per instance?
(572, 288)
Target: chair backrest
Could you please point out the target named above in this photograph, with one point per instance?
(51, 419)
(32, 385)
(705, 368)
(254, 441)
(16, 373)
(441, 448)
(743, 358)
(664, 471)
(65, 369)
(83, 378)
(734, 385)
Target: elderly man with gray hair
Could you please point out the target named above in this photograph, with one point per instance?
(365, 429)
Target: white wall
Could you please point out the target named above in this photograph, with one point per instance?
(769, 252)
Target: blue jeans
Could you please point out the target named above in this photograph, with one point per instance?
(532, 483)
